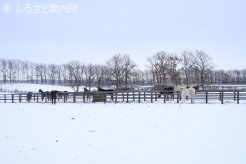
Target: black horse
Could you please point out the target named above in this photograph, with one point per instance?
(53, 96)
(87, 93)
(86, 90)
(109, 92)
(29, 96)
(62, 95)
(169, 91)
(44, 94)
(65, 94)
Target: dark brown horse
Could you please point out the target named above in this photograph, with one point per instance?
(168, 91)
(53, 96)
(44, 94)
(29, 96)
(108, 91)
(62, 95)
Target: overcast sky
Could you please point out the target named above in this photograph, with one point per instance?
(102, 28)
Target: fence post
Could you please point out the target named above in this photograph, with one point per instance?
(12, 98)
(178, 96)
(37, 97)
(4, 98)
(155, 96)
(133, 96)
(20, 98)
(138, 97)
(123, 96)
(144, 96)
(127, 97)
(151, 97)
(222, 97)
(74, 98)
(238, 97)
(83, 97)
(165, 97)
(206, 97)
(234, 95)
(116, 97)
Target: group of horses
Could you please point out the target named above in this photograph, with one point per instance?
(185, 92)
(53, 95)
(168, 91)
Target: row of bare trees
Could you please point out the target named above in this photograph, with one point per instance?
(117, 71)
(189, 67)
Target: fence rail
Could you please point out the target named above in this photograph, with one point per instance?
(204, 96)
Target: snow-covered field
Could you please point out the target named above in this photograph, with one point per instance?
(34, 87)
(122, 133)
(145, 133)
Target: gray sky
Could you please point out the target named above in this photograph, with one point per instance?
(140, 28)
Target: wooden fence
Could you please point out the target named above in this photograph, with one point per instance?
(203, 96)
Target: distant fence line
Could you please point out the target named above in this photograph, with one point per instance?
(12, 91)
(205, 96)
(225, 87)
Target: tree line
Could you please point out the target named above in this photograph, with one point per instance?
(188, 67)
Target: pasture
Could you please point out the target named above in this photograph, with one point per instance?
(109, 133)
(135, 127)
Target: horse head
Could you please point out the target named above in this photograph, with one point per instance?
(196, 87)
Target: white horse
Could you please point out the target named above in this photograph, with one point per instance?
(190, 92)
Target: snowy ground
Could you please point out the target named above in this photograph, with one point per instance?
(122, 133)
(34, 87)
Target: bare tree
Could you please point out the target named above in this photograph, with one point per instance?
(128, 68)
(237, 76)
(173, 68)
(59, 74)
(153, 68)
(203, 64)
(100, 71)
(116, 66)
(64, 73)
(52, 73)
(90, 75)
(244, 76)
(17, 69)
(4, 69)
(187, 67)
(11, 66)
(158, 64)
(76, 71)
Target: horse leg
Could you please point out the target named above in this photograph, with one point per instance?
(183, 96)
(193, 98)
